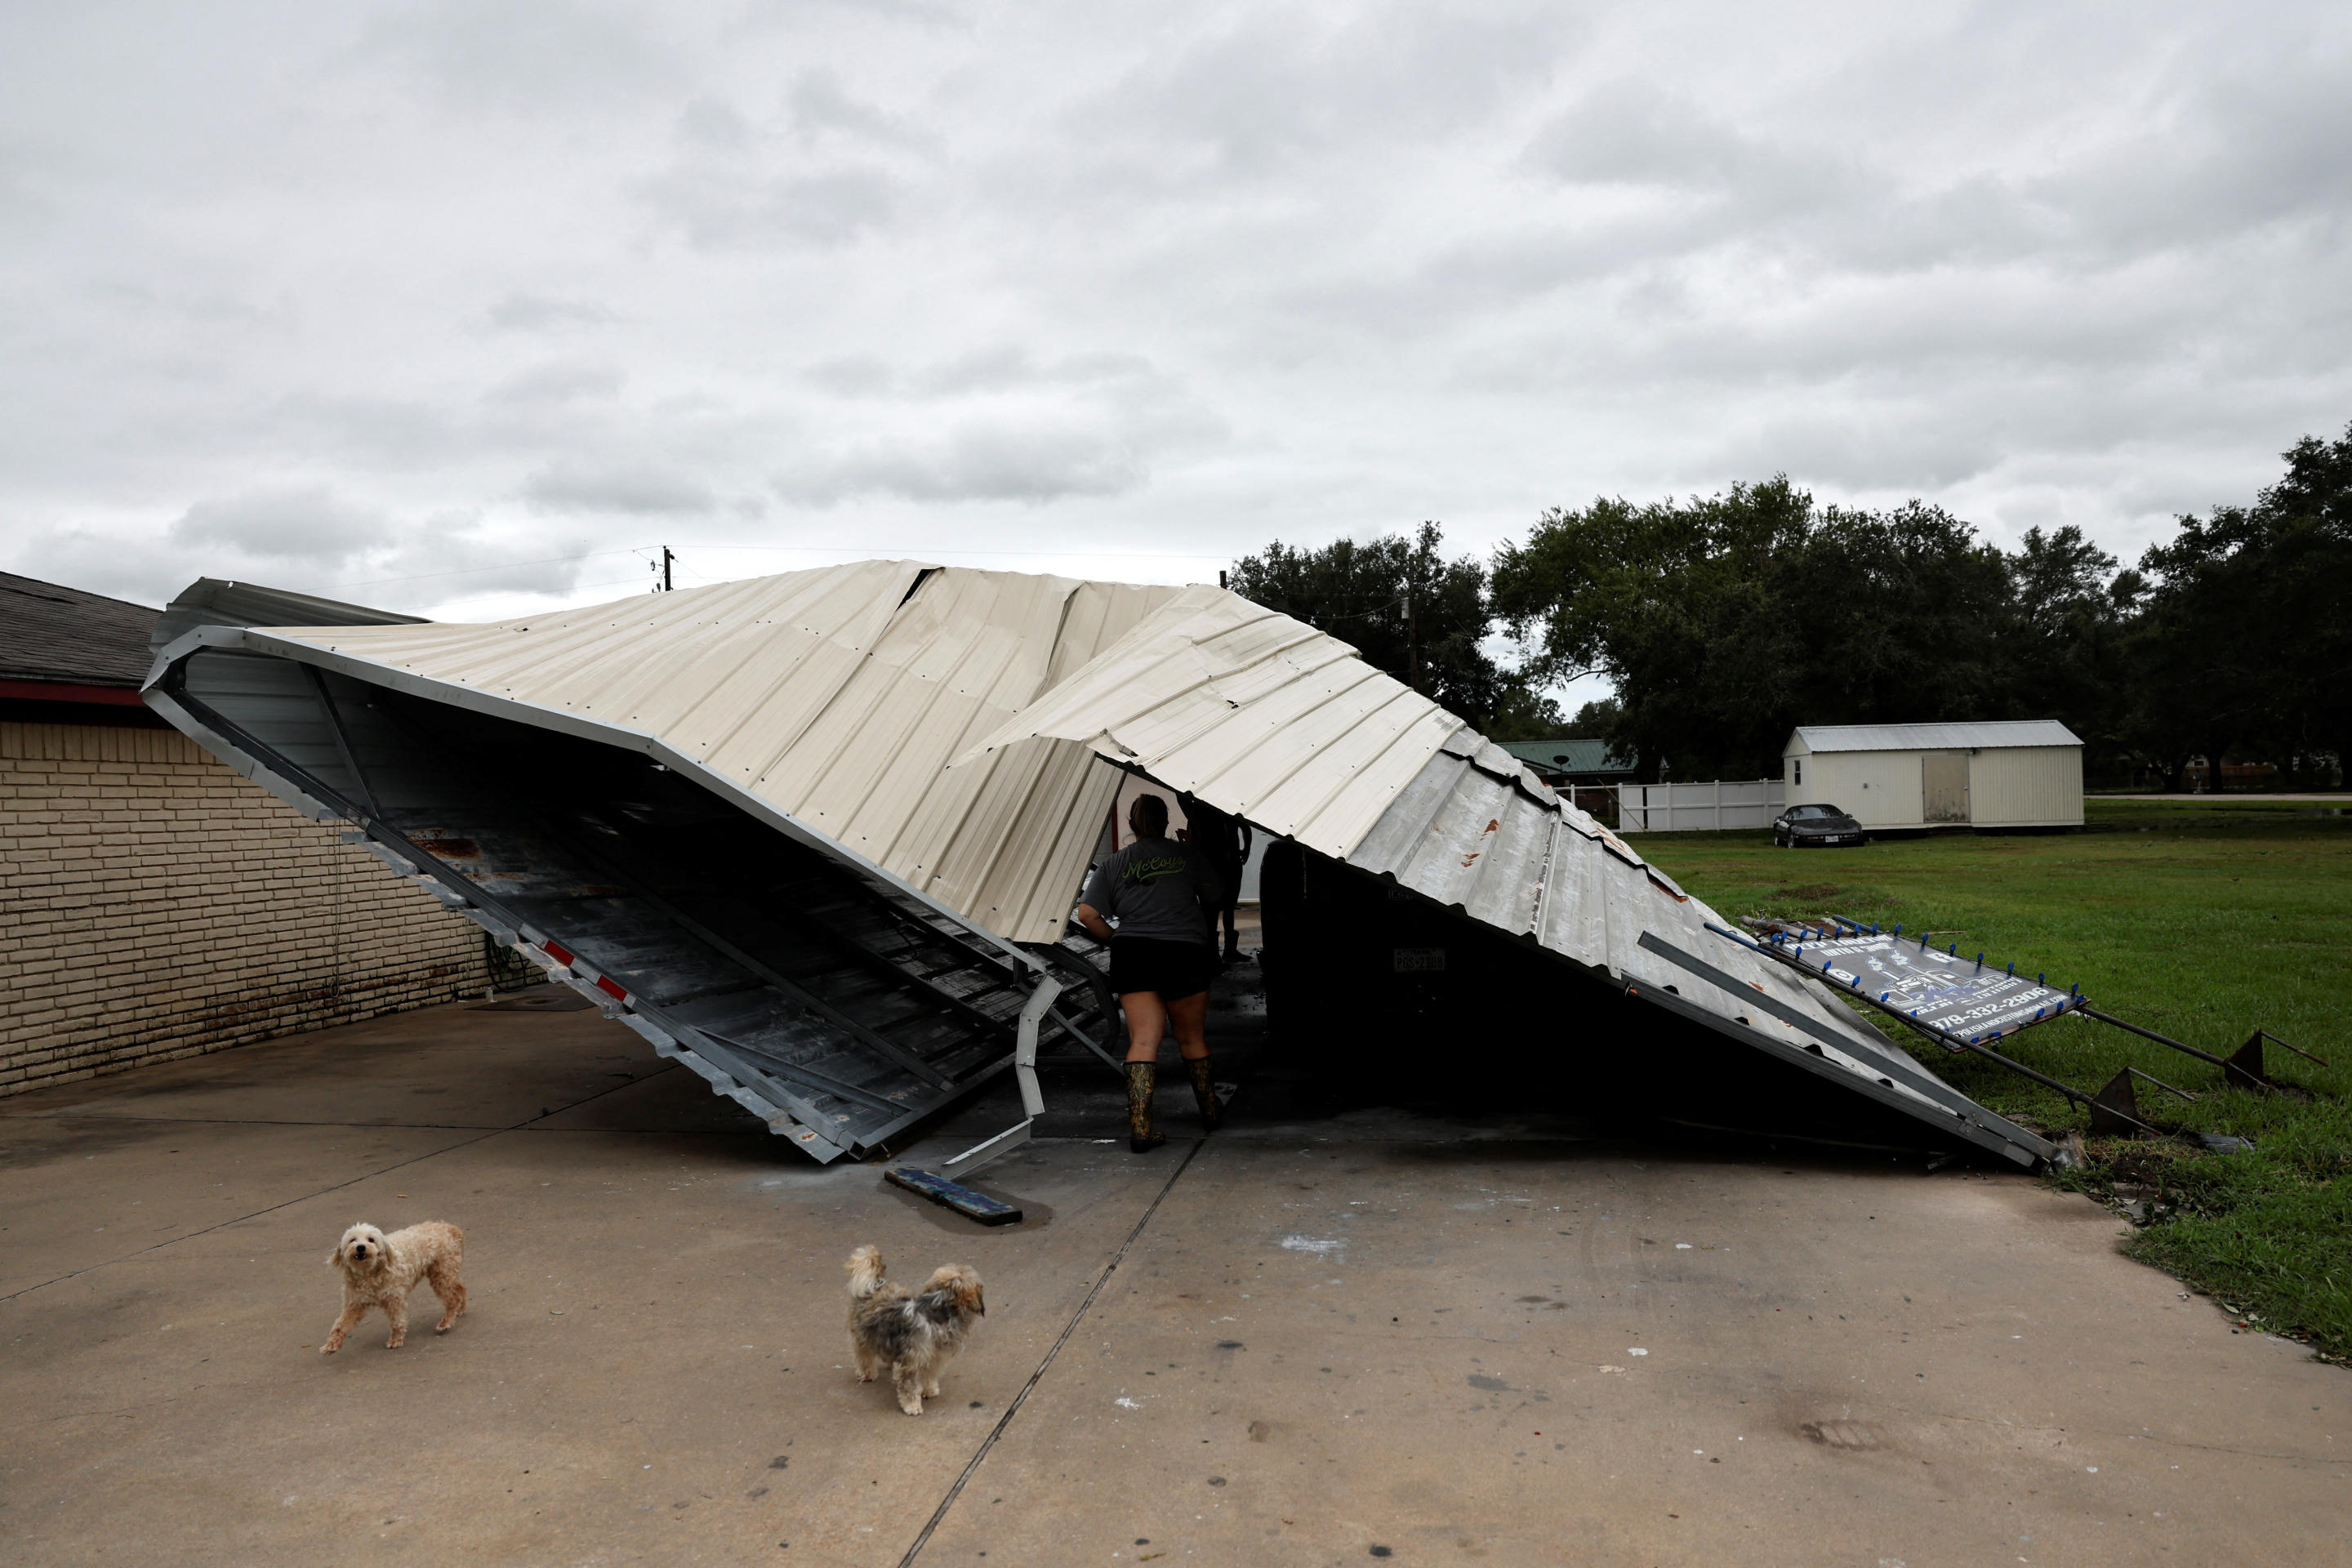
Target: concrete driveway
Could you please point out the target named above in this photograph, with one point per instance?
(1369, 1337)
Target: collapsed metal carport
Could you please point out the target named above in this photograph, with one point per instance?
(817, 835)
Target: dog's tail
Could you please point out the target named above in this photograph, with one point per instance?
(865, 1268)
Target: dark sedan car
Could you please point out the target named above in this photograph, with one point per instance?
(1816, 826)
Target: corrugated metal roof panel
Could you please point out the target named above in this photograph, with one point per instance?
(1255, 712)
(1206, 697)
(1569, 917)
(838, 695)
(1960, 737)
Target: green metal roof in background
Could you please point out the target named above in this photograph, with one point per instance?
(1568, 756)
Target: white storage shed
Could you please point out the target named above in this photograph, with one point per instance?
(2021, 773)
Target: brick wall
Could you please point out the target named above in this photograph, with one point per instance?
(155, 904)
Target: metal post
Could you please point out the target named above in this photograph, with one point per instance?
(1024, 1049)
(1412, 635)
(2089, 1012)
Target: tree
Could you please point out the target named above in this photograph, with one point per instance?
(1671, 602)
(2308, 517)
(1725, 621)
(2068, 644)
(1899, 616)
(1410, 612)
(1593, 721)
(2247, 634)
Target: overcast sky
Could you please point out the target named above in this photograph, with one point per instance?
(452, 306)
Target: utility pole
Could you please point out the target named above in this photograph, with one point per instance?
(1411, 640)
(666, 558)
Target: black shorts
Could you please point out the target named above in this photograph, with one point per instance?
(1174, 969)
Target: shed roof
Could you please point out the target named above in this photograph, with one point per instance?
(1974, 735)
(62, 636)
(943, 725)
(837, 695)
(1569, 756)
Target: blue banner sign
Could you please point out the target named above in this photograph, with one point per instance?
(1954, 994)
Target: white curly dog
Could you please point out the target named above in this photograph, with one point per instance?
(380, 1270)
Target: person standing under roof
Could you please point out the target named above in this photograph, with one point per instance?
(1162, 958)
(1224, 841)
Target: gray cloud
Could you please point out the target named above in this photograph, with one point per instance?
(557, 384)
(1023, 462)
(305, 523)
(523, 312)
(728, 209)
(820, 107)
(628, 490)
(1632, 133)
(372, 293)
(526, 54)
(1259, 95)
(1003, 367)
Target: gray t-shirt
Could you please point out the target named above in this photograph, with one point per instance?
(1155, 888)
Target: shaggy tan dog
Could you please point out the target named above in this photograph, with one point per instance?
(380, 1270)
(914, 1333)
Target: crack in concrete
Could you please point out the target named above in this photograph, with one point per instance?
(1077, 1318)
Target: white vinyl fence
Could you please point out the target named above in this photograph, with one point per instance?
(1697, 807)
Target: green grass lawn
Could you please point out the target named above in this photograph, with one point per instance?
(2201, 920)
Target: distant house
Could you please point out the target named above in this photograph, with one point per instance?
(2198, 775)
(158, 904)
(2026, 774)
(1559, 762)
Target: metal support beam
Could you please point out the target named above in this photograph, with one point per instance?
(2090, 1012)
(768, 973)
(979, 1154)
(794, 1073)
(343, 739)
(1024, 1049)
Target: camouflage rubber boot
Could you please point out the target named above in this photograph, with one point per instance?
(1141, 1078)
(1205, 1094)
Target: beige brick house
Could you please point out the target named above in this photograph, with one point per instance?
(155, 904)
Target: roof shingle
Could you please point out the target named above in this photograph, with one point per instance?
(52, 633)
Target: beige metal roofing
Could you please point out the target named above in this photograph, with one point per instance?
(1969, 735)
(1270, 720)
(945, 725)
(1252, 710)
(837, 696)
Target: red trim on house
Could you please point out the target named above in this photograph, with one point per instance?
(67, 691)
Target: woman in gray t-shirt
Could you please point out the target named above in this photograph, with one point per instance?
(1162, 957)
